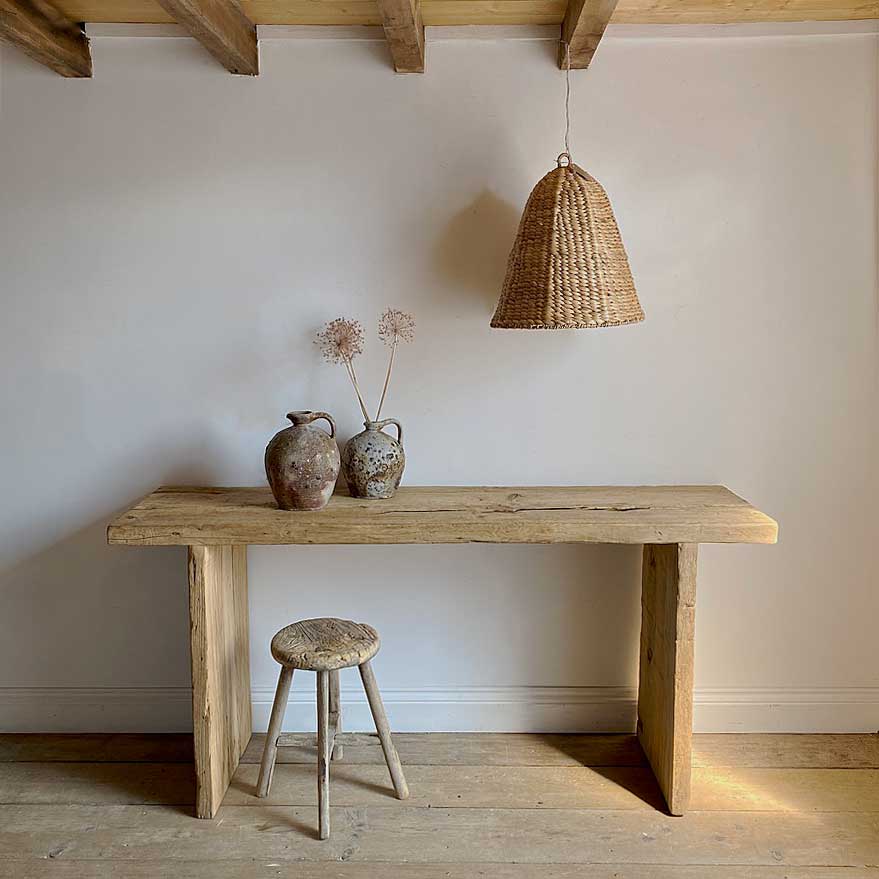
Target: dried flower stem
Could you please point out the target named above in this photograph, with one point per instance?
(381, 402)
(349, 365)
(394, 327)
(341, 340)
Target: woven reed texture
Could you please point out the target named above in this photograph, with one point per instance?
(568, 268)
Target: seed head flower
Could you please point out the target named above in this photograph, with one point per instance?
(341, 340)
(396, 326)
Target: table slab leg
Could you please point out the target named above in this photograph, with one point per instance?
(665, 687)
(219, 639)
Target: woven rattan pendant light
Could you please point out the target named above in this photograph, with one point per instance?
(568, 268)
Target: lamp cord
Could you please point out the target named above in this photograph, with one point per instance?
(567, 98)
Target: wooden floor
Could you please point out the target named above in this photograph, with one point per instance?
(483, 805)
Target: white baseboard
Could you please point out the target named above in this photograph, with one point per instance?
(791, 709)
(471, 709)
(465, 709)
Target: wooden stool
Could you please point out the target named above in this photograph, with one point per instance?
(324, 646)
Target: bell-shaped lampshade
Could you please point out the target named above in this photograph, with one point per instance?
(568, 268)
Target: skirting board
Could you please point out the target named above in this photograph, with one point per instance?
(465, 709)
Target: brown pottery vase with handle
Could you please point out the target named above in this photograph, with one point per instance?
(302, 463)
(373, 461)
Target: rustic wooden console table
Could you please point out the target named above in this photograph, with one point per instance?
(217, 525)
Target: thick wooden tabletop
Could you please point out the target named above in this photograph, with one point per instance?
(449, 514)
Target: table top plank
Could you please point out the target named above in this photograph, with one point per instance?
(182, 515)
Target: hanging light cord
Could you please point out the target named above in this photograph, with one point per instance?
(568, 99)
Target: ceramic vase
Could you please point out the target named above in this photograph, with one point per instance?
(302, 463)
(373, 461)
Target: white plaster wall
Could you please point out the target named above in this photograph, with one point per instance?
(171, 237)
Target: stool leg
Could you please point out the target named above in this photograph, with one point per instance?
(384, 730)
(323, 753)
(270, 752)
(335, 715)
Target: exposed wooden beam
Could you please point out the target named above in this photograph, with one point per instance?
(42, 32)
(732, 11)
(404, 30)
(491, 12)
(222, 28)
(582, 30)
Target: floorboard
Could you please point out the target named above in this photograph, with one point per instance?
(471, 749)
(96, 747)
(400, 832)
(483, 806)
(528, 787)
(855, 751)
(239, 869)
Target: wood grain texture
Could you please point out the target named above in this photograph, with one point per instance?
(337, 751)
(730, 11)
(96, 747)
(220, 653)
(503, 817)
(324, 748)
(325, 644)
(568, 787)
(737, 750)
(565, 514)
(450, 786)
(245, 869)
(665, 689)
(582, 30)
(222, 28)
(46, 35)
(400, 832)
(270, 750)
(383, 728)
(404, 31)
(471, 749)
(787, 750)
(493, 12)
(722, 750)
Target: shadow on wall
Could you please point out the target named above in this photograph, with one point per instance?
(80, 613)
(471, 254)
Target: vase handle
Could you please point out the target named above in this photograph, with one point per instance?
(308, 417)
(381, 425)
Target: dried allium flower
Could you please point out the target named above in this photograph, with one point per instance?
(341, 340)
(396, 326)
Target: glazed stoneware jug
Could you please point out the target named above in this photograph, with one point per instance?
(302, 463)
(373, 461)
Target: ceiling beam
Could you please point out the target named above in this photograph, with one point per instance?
(222, 28)
(491, 12)
(404, 31)
(582, 29)
(42, 32)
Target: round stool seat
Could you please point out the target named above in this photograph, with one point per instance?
(325, 644)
